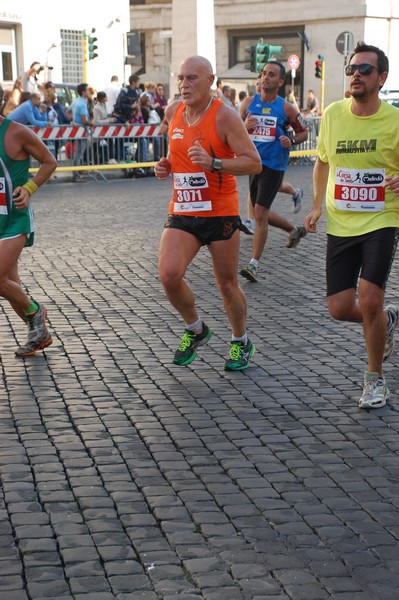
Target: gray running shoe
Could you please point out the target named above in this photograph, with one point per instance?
(250, 226)
(297, 200)
(38, 334)
(393, 313)
(296, 236)
(375, 391)
(249, 272)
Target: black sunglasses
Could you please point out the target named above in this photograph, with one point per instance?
(364, 69)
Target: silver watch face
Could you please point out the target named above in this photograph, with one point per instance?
(217, 164)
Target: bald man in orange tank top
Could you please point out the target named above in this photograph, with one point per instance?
(208, 146)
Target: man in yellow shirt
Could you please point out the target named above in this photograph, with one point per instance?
(357, 169)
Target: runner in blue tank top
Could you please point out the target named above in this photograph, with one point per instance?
(274, 125)
(17, 226)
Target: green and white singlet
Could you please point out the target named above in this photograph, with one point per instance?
(13, 173)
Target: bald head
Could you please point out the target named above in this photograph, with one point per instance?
(198, 63)
(194, 79)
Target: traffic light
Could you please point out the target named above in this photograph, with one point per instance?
(264, 53)
(91, 45)
(319, 66)
(250, 57)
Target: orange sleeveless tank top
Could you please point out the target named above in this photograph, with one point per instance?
(197, 192)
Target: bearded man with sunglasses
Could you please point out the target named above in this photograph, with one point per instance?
(357, 170)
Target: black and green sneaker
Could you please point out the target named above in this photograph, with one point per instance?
(190, 341)
(240, 354)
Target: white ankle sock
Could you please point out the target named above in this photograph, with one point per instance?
(243, 338)
(197, 326)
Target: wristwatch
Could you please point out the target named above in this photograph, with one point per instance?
(216, 164)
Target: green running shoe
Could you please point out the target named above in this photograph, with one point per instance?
(190, 341)
(240, 354)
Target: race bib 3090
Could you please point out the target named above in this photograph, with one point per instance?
(359, 189)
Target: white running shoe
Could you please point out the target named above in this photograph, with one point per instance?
(250, 225)
(375, 391)
(297, 200)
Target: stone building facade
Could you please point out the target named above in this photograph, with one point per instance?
(169, 31)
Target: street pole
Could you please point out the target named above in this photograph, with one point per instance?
(84, 57)
(323, 71)
(346, 53)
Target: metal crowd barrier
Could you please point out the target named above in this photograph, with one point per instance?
(306, 152)
(132, 148)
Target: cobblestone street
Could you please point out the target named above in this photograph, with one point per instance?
(126, 477)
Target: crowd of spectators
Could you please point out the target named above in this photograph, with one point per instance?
(35, 103)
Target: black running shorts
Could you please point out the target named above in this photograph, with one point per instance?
(206, 229)
(264, 187)
(369, 256)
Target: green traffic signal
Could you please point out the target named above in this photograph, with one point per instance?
(91, 45)
(257, 56)
(250, 57)
(264, 52)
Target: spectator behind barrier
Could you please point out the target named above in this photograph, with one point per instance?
(123, 110)
(30, 82)
(150, 90)
(51, 101)
(100, 112)
(233, 95)
(15, 98)
(91, 94)
(112, 91)
(241, 96)
(312, 105)
(103, 149)
(28, 112)
(81, 117)
(6, 97)
(55, 116)
(160, 100)
(226, 93)
(150, 117)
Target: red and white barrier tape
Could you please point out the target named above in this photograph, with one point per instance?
(74, 132)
